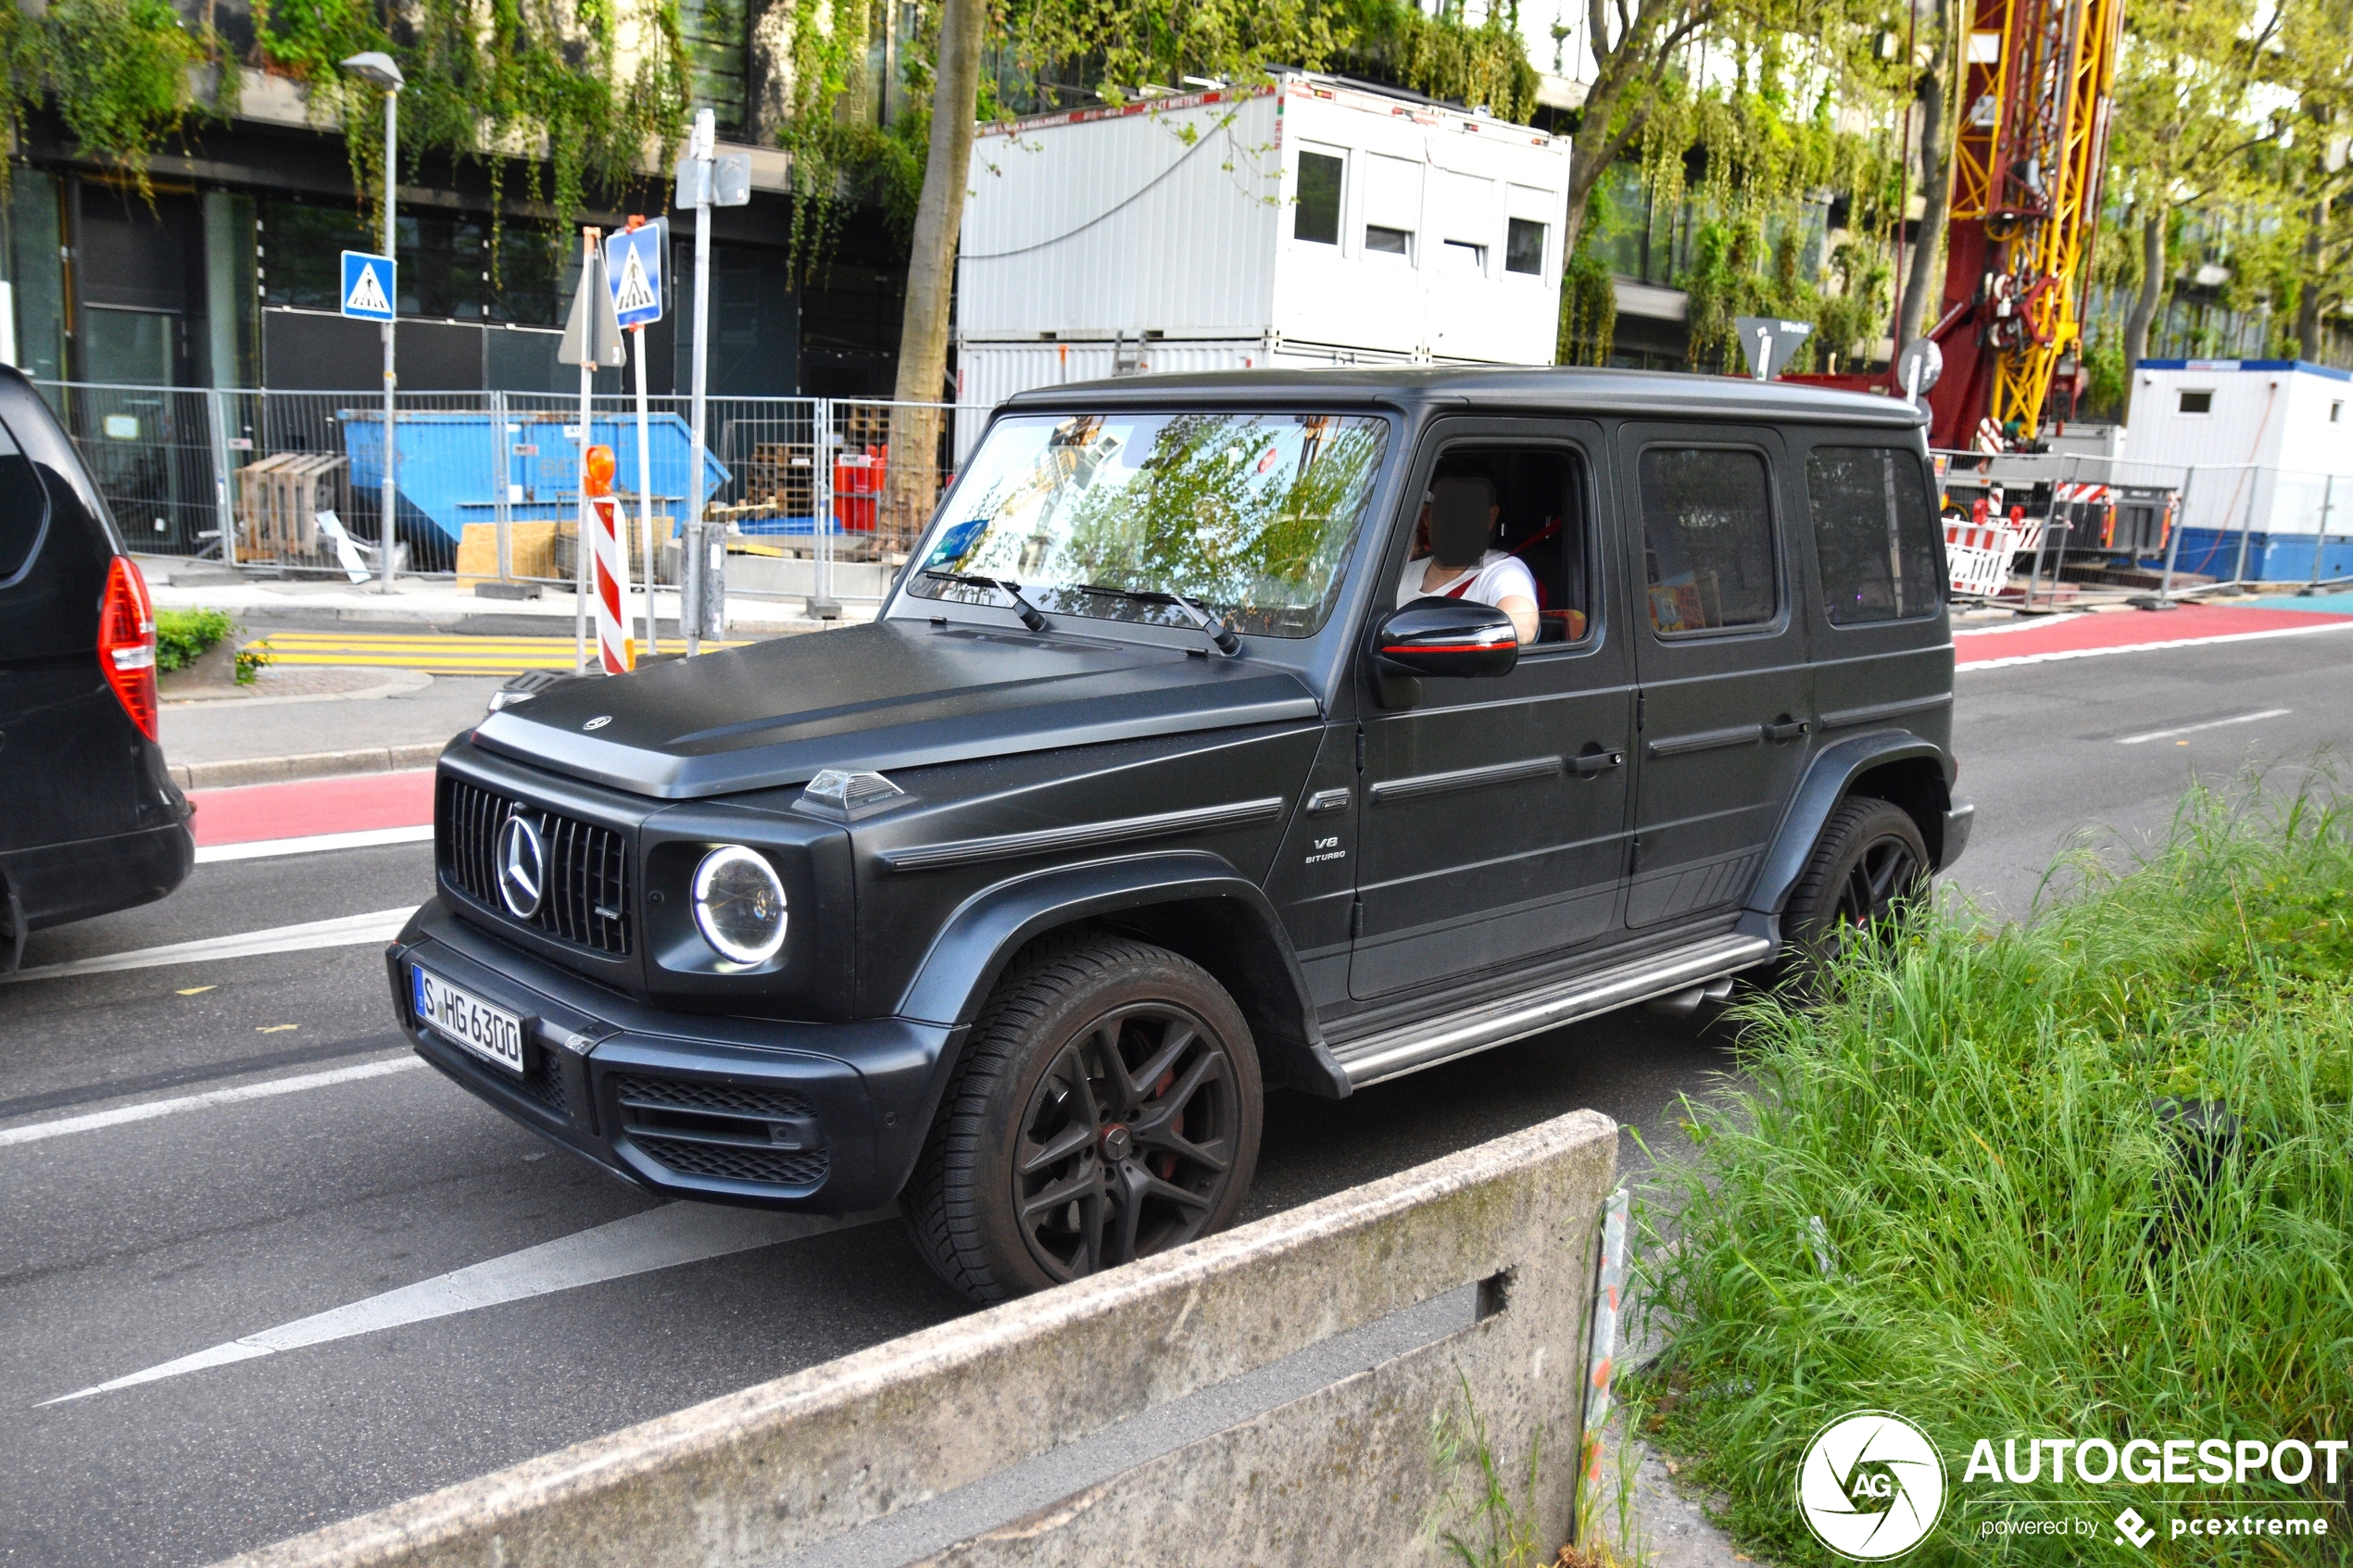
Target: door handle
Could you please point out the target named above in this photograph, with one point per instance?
(1788, 729)
(1596, 762)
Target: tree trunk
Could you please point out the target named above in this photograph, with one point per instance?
(2153, 280)
(1587, 161)
(914, 485)
(2308, 299)
(1923, 300)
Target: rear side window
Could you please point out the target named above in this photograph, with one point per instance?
(24, 510)
(1707, 539)
(1872, 535)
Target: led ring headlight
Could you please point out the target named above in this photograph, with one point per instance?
(739, 904)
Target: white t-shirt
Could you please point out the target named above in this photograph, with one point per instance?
(1497, 577)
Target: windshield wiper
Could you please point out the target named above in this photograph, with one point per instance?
(1228, 641)
(1031, 616)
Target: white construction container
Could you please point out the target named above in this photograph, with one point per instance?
(2272, 443)
(1306, 221)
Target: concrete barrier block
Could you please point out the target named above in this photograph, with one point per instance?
(792, 1464)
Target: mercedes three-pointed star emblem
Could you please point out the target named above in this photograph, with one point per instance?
(523, 866)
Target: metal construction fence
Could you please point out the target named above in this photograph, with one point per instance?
(2202, 526)
(488, 483)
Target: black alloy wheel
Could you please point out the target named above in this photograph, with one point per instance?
(1868, 869)
(1106, 1107)
(1128, 1141)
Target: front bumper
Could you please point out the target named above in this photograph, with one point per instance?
(826, 1118)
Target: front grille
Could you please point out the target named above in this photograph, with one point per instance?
(585, 901)
(733, 1163)
(717, 1100)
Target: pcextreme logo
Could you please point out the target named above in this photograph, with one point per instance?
(1871, 1485)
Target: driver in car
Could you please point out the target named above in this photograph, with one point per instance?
(1458, 518)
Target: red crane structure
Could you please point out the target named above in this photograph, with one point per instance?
(2037, 86)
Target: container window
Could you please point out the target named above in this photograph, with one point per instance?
(24, 510)
(1707, 539)
(1461, 255)
(1872, 536)
(1524, 247)
(1317, 216)
(2197, 402)
(2336, 412)
(1387, 241)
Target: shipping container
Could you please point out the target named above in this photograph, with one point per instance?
(1305, 222)
(2272, 441)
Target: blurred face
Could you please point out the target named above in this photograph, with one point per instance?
(1461, 513)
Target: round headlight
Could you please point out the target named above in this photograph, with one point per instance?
(739, 904)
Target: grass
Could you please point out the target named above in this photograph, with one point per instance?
(2091, 1176)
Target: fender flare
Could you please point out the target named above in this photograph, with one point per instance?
(1828, 780)
(975, 944)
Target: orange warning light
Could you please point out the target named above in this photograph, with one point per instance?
(600, 470)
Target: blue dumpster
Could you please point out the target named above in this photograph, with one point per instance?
(448, 465)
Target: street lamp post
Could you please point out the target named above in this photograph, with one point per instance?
(379, 67)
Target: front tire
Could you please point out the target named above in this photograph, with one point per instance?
(1868, 869)
(1107, 1107)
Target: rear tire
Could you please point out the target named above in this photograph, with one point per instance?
(1107, 1107)
(1868, 872)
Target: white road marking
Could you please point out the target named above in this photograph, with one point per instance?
(2209, 724)
(2011, 659)
(362, 839)
(658, 1239)
(37, 1132)
(343, 931)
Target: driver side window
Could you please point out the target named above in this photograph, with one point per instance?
(1503, 525)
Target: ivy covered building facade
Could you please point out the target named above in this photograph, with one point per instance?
(209, 257)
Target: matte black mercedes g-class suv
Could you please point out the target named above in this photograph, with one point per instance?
(1161, 777)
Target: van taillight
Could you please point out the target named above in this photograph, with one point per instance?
(126, 643)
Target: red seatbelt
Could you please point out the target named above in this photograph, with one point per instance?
(1459, 589)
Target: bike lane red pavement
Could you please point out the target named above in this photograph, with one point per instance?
(2083, 636)
(252, 813)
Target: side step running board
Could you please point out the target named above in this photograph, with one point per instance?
(1410, 1048)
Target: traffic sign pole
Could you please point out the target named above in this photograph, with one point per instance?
(646, 498)
(391, 380)
(694, 587)
(590, 286)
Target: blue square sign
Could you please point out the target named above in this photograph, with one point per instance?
(368, 286)
(633, 271)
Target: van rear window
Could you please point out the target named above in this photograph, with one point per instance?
(1872, 535)
(24, 510)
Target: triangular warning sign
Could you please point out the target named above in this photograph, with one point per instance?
(636, 291)
(367, 294)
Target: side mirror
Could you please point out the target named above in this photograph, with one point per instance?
(1437, 636)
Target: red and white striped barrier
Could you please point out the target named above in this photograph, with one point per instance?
(611, 583)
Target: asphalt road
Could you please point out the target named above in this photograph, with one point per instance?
(128, 1246)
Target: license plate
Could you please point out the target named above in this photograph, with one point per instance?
(492, 1033)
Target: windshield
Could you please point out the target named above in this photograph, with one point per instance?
(1251, 514)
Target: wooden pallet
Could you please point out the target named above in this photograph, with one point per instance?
(279, 500)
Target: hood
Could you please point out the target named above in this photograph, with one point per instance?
(892, 695)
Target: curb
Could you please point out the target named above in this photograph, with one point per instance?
(310, 765)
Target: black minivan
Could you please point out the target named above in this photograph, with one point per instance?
(90, 820)
(1178, 765)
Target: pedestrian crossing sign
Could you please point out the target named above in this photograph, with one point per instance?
(369, 287)
(633, 271)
